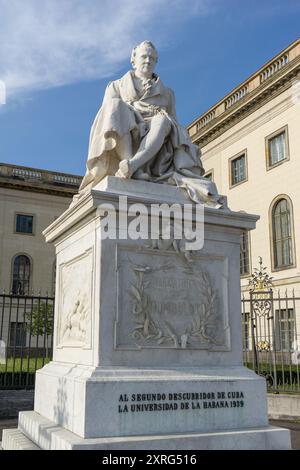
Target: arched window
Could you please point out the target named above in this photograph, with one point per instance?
(21, 275)
(282, 234)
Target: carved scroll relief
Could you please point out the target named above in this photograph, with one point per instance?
(75, 301)
(166, 302)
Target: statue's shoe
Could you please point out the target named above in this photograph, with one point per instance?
(124, 170)
(141, 175)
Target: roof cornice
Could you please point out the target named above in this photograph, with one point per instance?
(37, 188)
(38, 181)
(269, 81)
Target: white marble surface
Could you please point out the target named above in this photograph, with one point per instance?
(104, 275)
(14, 439)
(122, 402)
(136, 134)
(47, 436)
(102, 368)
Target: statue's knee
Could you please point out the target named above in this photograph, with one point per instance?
(160, 120)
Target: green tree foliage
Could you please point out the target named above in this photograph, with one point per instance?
(40, 321)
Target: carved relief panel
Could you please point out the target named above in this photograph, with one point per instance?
(168, 301)
(75, 301)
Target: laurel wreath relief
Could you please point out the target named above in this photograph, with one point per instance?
(147, 328)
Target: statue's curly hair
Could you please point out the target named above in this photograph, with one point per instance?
(147, 43)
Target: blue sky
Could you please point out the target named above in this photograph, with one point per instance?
(56, 57)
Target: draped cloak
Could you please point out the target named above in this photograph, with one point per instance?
(125, 110)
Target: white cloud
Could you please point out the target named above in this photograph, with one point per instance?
(56, 42)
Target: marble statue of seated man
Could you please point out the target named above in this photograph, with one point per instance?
(136, 135)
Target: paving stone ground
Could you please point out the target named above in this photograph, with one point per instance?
(294, 427)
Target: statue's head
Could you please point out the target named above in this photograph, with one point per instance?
(144, 58)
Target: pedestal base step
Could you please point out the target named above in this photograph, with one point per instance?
(38, 432)
(14, 439)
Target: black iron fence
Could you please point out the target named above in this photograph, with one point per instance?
(26, 338)
(270, 324)
(271, 337)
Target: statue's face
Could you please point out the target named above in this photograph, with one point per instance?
(145, 60)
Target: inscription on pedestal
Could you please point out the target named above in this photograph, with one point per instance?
(164, 301)
(148, 402)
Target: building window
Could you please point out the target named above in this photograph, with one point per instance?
(21, 275)
(24, 223)
(285, 329)
(277, 148)
(17, 334)
(244, 254)
(282, 234)
(238, 169)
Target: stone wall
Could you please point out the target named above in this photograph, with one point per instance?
(284, 407)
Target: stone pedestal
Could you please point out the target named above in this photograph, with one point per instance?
(147, 337)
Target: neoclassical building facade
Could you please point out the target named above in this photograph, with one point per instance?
(250, 143)
(30, 200)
